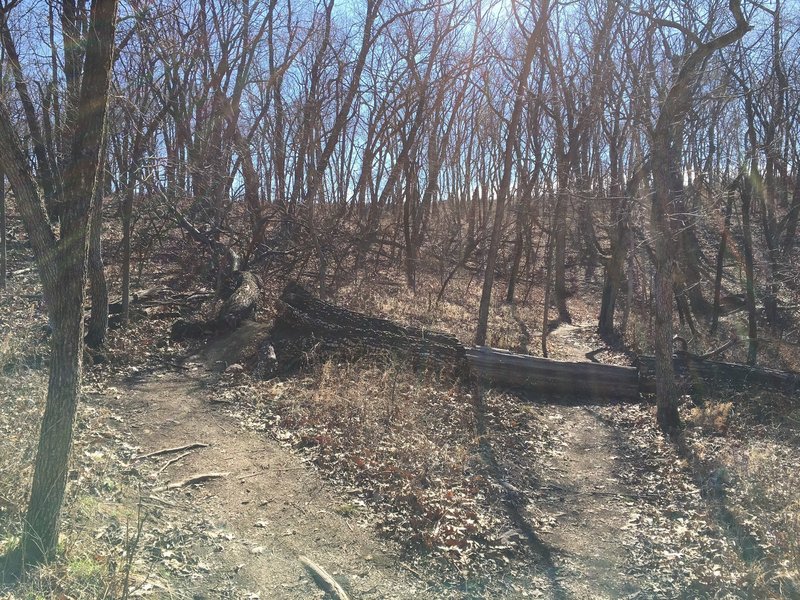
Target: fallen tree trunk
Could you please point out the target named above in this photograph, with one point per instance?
(584, 379)
(699, 375)
(307, 329)
(240, 305)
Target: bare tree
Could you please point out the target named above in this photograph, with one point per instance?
(61, 261)
(665, 164)
(534, 41)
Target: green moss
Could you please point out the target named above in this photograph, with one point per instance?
(85, 570)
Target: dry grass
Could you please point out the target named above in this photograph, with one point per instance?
(746, 455)
(91, 563)
(400, 441)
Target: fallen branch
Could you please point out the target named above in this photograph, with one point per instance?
(308, 329)
(720, 350)
(321, 577)
(588, 380)
(195, 479)
(172, 461)
(592, 354)
(193, 446)
(703, 375)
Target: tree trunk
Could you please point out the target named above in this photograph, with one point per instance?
(560, 254)
(749, 285)
(533, 42)
(307, 328)
(3, 265)
(792, 218)
(40, 535)
(97, 326)
(548, 271)
(516, 259)
(62, 267)
(127, 226)
(723, 247)
(667, 141)
(612, 281)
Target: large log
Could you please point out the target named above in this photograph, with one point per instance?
(307, 329)
(588, 381)
(699, 375)
(241, 304)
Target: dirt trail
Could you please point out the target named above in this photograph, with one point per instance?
(268, 510)
(581, 495)
(271, 507)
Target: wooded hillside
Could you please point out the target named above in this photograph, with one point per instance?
(461, 179)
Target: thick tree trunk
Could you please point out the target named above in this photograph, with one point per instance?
(612, 281)
(308, 329)
(40, 534)
(62, 267)
(3, 265)
(695, 374)
(667, 142)
(127, 226)
(97, 326)
(663, 293)
(586, 381)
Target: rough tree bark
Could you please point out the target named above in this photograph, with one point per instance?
(97, 326)
(308, 329)
(62, 268)
(3, 266)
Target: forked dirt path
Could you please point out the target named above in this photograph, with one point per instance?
(580, 495)
(267, 510)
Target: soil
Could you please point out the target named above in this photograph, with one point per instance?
(271, 507)
(268, 509)
(580, 495)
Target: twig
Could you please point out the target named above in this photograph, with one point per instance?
(171, 450)
(249, 475)
(160, 501)
(412, 570)
(592, 354)
(173, 461)
(321, 577)
(719, 350)
(194, 479)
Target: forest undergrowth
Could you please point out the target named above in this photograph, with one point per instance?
(714, 516)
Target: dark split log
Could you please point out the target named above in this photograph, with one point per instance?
(703, 376)
(307, 329)
(241, 304)
(590, 381)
